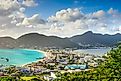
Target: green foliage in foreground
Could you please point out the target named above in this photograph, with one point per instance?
(15, 79)
(110, 70)
(7, 79)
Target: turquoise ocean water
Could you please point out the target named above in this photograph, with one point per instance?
(18, 57)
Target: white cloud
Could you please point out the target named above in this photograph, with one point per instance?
(29, 3)
(9, 4)
(64, 23)
(67, 15)
(99, 22)
(22, 9)
(12, 15)
(112, 11)
(99, 14)
(34, 20)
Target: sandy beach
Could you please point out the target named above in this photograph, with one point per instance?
(47, 55)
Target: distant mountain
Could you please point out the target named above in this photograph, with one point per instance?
(35, 40)
(92, 39)
(39, 40)
(7, 42)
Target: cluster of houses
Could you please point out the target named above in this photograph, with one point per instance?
(57, 61)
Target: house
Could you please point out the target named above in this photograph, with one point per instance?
(82, 60)
(62, 61)
(98, 58)
(75, 66)
(1, 74)
(94, 64)
(88, 58)
(51, 64)
(51, 77)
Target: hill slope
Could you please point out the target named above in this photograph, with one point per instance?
(7, 42)
(38, 40)
(93, 39)
(35, 40)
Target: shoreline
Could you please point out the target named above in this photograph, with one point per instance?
(45, 55)
(40, 51)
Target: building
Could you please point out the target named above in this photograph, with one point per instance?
(75, 66)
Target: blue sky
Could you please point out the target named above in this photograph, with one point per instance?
(63, 18)
(49, 7)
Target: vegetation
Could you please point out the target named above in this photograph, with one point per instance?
(22, 79)
(110, 70)
(7, 79)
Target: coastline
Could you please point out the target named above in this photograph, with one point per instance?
(46, 54)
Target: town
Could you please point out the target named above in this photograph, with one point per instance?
(57, 61)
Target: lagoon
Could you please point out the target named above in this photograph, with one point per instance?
(18, 57)
(96, 52)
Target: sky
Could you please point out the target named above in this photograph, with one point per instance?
(63, 18)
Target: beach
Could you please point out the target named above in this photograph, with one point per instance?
(20, 57)
(47, 55)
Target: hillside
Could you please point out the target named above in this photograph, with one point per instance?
(93, 39)
(35, 40)
(39, 40)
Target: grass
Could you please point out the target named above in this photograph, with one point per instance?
(28, 78)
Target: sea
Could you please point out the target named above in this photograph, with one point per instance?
(96, 52)
(18, 57)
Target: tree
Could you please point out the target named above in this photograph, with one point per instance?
(7, 79)
(109, 70)
(36, 79)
